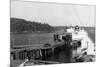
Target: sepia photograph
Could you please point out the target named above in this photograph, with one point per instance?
(45, 33)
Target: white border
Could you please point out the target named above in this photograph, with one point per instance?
(5, 34)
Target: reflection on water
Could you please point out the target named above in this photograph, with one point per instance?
(63, 56)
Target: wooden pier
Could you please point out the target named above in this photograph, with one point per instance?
(41, 52)
(35, 52)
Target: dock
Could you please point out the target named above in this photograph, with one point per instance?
(36, 52)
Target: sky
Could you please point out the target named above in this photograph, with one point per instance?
(53, 13)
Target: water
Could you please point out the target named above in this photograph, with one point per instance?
(61, 55)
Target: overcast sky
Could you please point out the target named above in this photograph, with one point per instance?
(54, 14)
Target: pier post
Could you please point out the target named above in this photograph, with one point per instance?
(45, 53)
(40, 53)
(53, 50)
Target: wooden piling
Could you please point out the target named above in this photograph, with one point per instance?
(53, 51)
(37, 53)
(40, 54)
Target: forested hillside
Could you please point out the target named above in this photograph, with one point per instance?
(24, 26)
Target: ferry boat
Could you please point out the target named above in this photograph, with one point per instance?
(81, 44)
